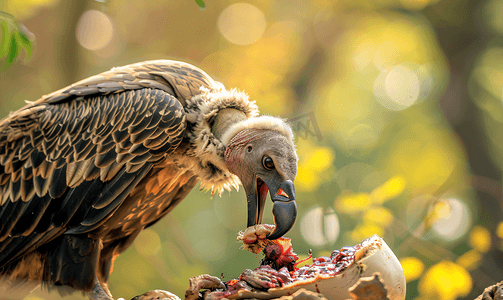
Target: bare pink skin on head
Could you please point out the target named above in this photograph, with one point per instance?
(235, 151)
(234, 159)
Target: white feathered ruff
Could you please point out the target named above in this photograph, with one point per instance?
(206, 148)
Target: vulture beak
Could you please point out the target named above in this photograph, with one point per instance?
(284, 208)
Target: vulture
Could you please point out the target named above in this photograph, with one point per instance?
(85, 169)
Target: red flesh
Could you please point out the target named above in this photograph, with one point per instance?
(280, 253)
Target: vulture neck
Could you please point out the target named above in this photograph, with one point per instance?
(225, 119)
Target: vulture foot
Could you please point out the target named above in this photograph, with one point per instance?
(255, 237)
(98, 293)
(157, 295)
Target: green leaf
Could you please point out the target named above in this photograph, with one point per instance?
(25, 43)
(15, 38)
(13, 52)
(6, 39)
(201, 4)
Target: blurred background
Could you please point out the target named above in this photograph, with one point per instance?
(397, 107)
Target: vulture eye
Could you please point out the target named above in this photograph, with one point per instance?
(268, 163)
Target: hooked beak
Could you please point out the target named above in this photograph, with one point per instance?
(284, 208)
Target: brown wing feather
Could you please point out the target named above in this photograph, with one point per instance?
(176, 78)
(68, 160)
(73, 179)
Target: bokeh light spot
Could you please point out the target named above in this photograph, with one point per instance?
(412, 267)
(454, 224)
(480, 239)
(319, 227)
(440, 209)
(94, 30)
(242, 23)
(492, 15)
(397, 89)
(445, 281)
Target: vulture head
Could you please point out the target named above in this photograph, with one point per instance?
(257, 150)
(261, 152)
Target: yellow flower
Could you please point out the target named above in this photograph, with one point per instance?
(470, 260)
(307, 180)
(499, 230)
(412, 267)
(379, 215)
(445, 281)
(349, 202)
(366, 230)
(315, 162)
(320, 159)
(389, 190)
(480, 239)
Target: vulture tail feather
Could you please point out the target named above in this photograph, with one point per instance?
(70, 266)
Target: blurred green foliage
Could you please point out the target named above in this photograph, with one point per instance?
(201, 3)
(406, 96)
(14, 38)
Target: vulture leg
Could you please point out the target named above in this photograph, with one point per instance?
(98, 292)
